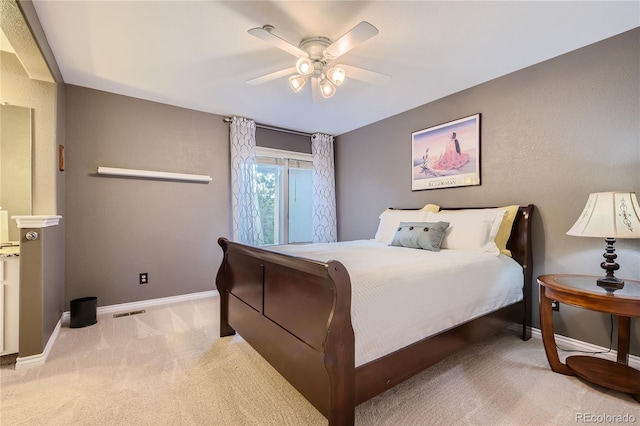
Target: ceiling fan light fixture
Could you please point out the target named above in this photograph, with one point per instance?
(304, 66)
(327, 88)
(297, 82)
(336, 75)
(313, 58)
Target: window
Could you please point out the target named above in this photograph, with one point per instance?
(285, 190)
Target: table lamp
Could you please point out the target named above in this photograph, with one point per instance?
(609, 215)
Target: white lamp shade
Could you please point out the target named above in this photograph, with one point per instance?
(337, 75)
(297, 82)
(304, 66)
(326, 88)
(609, 214)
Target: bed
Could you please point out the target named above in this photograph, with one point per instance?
(297, 313)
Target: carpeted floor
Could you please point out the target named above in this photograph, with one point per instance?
(168, 367)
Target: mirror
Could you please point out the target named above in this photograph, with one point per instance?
(15, 168)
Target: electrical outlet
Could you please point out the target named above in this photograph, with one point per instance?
(144, 278)
(555, 305)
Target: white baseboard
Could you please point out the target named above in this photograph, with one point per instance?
(578, 345)
(133, 306)
(39, 359)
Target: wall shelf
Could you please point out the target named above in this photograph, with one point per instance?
(151, 174)
(37, 221)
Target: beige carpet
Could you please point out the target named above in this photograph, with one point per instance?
(168, 367)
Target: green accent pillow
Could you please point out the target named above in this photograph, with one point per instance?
(420, 235)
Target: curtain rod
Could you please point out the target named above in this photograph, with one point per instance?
(277, 129)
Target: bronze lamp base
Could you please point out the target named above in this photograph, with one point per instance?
(609, 282)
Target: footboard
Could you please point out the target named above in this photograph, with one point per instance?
(297, 314)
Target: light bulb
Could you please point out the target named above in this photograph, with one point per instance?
(304, 66)
(297, 82)
(336, 75)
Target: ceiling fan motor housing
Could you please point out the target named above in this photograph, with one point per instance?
(315, 46)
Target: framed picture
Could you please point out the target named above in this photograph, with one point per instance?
(447, 155)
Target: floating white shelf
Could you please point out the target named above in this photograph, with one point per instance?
(37, 221)
(151, 174)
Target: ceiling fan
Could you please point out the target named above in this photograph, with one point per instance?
(316, 56)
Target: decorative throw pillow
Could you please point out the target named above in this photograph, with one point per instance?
(391, 218)
(431, 208)
(505, 228)
(420, 235)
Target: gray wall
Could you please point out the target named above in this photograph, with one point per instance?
(550, 135)
(281, 140)
(117, 228)
(41, 299)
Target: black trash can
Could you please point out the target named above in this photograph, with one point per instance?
(83, 312)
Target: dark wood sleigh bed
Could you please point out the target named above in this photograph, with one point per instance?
(296, 313)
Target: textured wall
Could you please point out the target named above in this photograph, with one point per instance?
(18, 89)
(550, 135)
(15, 164)
(280, 140)
(40, 291)
(117, 228)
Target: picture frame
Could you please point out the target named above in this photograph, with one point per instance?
(446, 155)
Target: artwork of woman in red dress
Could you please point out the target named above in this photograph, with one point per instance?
(451, 158)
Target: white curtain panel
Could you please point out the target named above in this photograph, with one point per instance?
(325, 228)
(247, 228)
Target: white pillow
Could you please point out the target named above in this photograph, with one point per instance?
(471, 229)
(390, 220)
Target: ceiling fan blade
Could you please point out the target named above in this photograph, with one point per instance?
(265, 33)
(365, 75)
(272, 76)
(356, 35)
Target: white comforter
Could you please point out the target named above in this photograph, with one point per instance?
(402, 295)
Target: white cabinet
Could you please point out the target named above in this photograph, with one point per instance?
(9, 304)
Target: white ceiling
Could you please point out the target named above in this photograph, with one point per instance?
(198, 54)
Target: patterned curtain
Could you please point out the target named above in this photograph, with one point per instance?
(325, 229)
(247, 228)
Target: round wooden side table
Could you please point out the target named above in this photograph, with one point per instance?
(582, 291)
